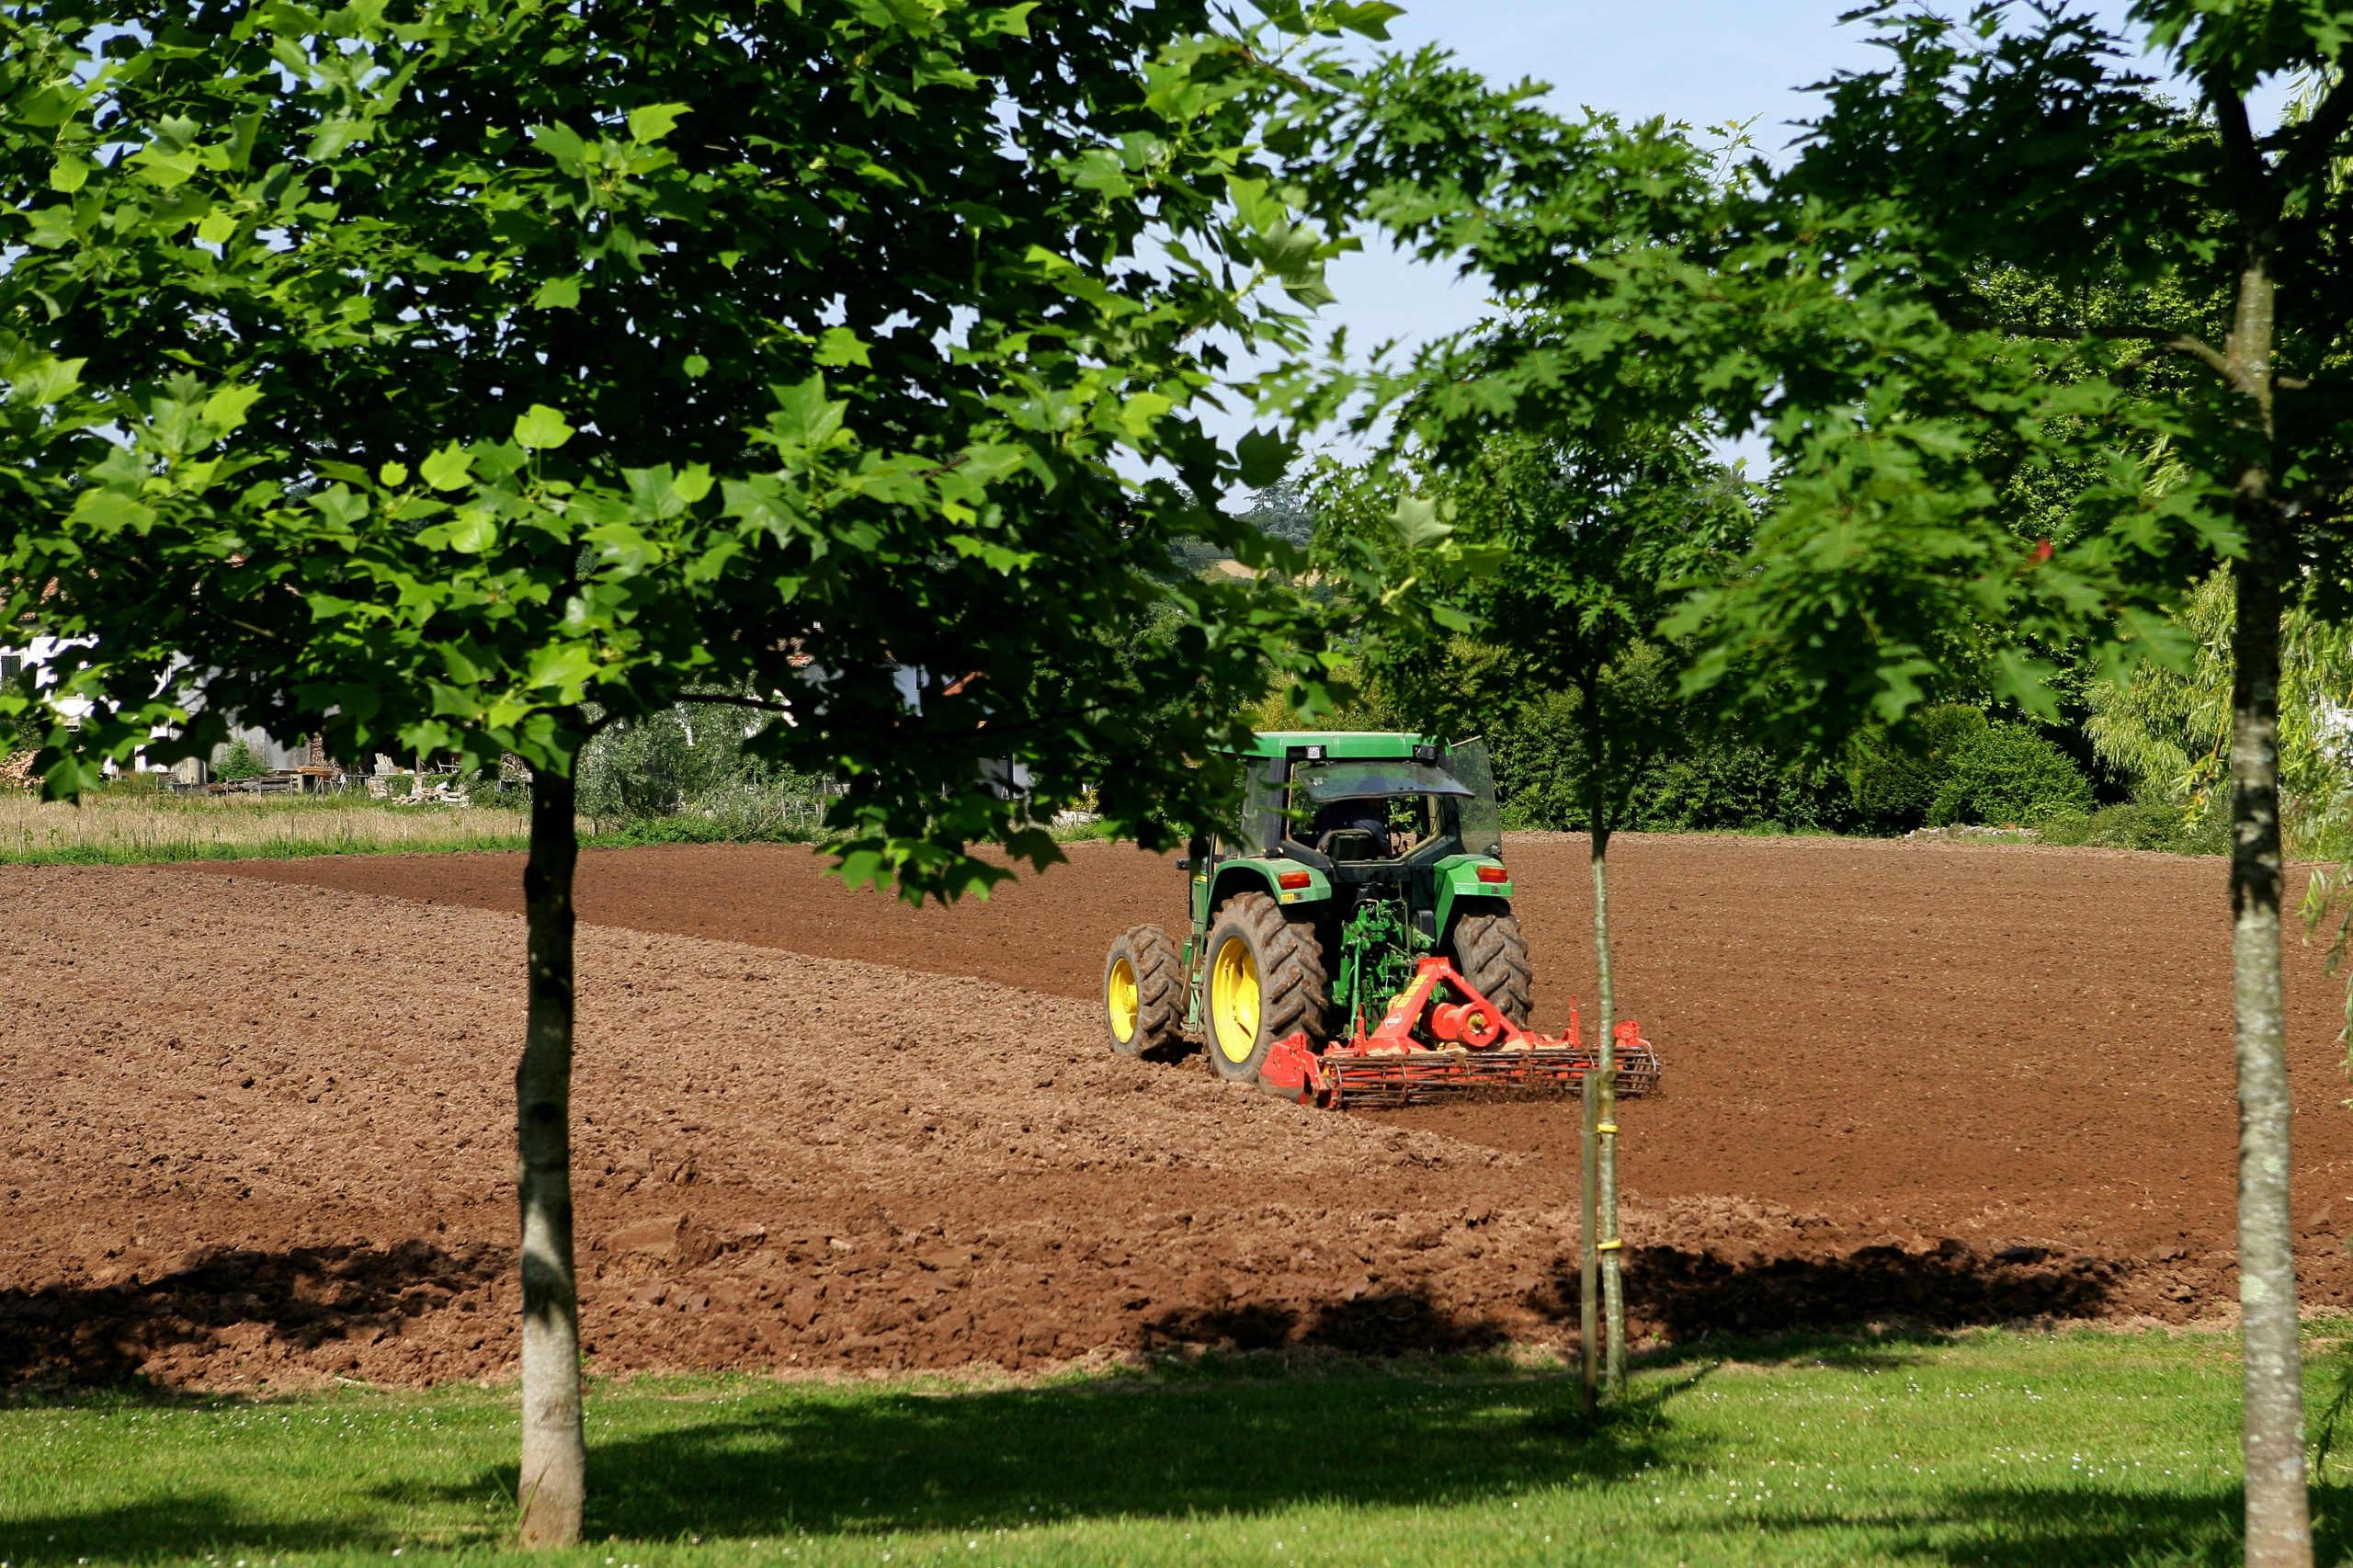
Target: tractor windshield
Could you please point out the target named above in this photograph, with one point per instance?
(1374, 780)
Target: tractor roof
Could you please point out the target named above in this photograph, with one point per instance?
(1338, 743)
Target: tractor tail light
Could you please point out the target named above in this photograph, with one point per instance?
(1294, 878)
(1494, 874)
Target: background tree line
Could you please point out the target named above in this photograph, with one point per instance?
(2130, 763)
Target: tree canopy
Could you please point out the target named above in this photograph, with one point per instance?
(388, 361)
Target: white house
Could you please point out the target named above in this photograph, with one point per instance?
(36, 657)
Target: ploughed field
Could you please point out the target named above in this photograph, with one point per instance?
(258, 1120)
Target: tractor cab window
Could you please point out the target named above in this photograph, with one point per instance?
(1480, 822)
(1257, 823)
(1370, 810)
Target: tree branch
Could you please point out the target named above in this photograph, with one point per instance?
(2163, 337)
(2183, 343)
(2261, 207)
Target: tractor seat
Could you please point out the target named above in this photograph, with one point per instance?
(1349, 844)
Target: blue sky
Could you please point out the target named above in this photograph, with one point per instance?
(1703, 61)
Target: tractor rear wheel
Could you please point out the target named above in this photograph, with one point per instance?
(1264, 979)
(1143, 992)
(1493, 956)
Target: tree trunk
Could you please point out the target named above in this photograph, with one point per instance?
(2278, 1528)
(1604, 1112)
(1589, 1134)
(1588, 1234)
(555, 1459)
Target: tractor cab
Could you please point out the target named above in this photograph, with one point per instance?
(1401, 815)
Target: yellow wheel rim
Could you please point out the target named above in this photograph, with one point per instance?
(1233, 999)
(1119, 995)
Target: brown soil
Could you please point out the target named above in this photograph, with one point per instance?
(258, 1120)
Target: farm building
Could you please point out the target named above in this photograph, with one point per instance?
(274, 754)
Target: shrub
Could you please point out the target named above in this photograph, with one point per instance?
(138, 783)
(237, 760)
(1717, 787)
(683, 776)
(1895, 778)
(2146, 824)
(1692, 786)
(2007, 773)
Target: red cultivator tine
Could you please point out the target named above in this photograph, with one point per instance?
(1476, 1048)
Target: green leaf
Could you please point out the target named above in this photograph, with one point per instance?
(564, 667)
(109, 512)
(557, 294)
(696, 367)
(839, 346)
(217, 228)
(52, 105)
(1416, 521)
(563, 144)
(225, 409)
(471, 533)
(69, 175)
(1368, 17)
(1265, 457)
(339, 506)
(451, 468)
(654, 490)
(805, 418)
(392, 475)
(1143, 411)
(652, 122)
(167, 169)
(542, 428)
(861, 867)
(44, 381)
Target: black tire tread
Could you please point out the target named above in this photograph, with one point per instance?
(1293, 993)
(1493, 956)
(1159, 987)
(1160, 991)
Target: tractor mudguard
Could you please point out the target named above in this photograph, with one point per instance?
(1457, 876)
(1259, 874)
(1213, 882)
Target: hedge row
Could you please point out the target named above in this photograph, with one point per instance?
(1960, 766)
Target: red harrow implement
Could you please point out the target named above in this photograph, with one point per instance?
(1427, 1049)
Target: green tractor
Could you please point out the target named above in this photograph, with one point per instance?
(1355, 856)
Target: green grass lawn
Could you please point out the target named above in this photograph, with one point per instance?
(1990, 1448)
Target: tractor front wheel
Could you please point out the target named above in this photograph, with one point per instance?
(1144, 993)
(1493, 956)
(1264, 979)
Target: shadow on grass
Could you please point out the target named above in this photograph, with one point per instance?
(767, 1460)
(2001, 1527)
(1208, 1441)
(186, 1525)
(85, 1336)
